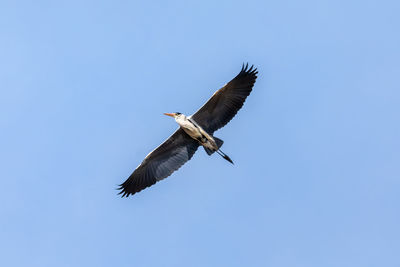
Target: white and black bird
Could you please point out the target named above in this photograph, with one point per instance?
(194, 131)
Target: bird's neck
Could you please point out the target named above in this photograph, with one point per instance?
(181, 119)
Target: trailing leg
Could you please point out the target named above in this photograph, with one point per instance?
(224, 156)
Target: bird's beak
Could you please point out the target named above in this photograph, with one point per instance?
(170, 114)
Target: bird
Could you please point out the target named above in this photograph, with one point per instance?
(194, 131)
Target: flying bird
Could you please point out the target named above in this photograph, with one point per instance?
(194, 131)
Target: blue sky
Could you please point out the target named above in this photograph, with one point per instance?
(316, 180)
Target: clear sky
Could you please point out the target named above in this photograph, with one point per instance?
(316, 180)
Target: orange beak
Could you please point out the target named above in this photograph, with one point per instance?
(170, 114)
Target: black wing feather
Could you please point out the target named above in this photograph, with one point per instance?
(226, 102)
(160, 163)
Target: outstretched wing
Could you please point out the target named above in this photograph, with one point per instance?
(160, 163)
(226, 102)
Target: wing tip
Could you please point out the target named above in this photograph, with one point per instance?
(130, 187)
(123, 191)
(252, 71)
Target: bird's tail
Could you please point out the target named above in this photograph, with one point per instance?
(219, 143)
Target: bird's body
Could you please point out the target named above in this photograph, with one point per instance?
(194, 131)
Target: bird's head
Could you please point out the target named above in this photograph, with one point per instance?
(174, 115)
